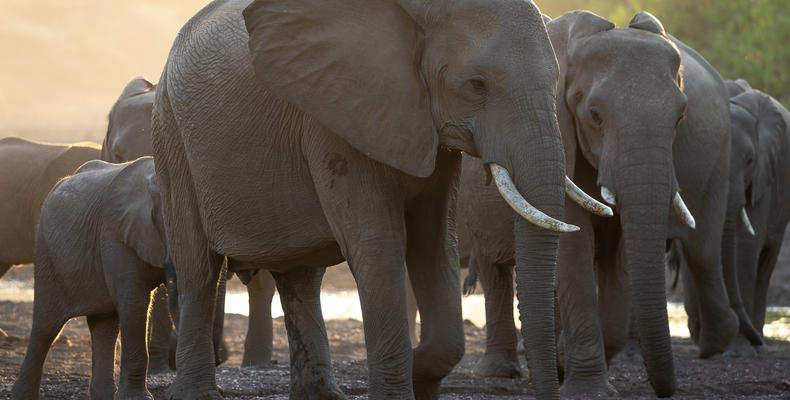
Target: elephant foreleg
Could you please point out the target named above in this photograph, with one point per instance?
(585, 369)
(432, 261)
(311, 373)
(220, 348)
(614, 300)
(104, 333)
(258, 343)
(764, 270)
(717, 321)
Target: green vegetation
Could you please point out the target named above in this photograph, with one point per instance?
(747, 39)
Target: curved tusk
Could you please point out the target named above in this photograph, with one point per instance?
(514, 199)
(584, 200)
(747, 222)
(683, 211)
(608, 196)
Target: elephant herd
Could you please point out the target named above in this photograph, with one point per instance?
(291, 135)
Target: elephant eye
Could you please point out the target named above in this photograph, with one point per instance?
(478, 85)
(596, 116)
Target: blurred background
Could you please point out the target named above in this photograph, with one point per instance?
(64, 62)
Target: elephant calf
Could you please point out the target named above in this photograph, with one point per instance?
(100, 251)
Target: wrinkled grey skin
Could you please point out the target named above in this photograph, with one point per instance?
(760, 158)
(355, 172)
(620, 105)
(31, 169)
(100, 251)
(129, 137)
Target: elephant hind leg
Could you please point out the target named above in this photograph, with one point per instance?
(104, 333)
(258, 343)
(160, 327)
(311, 373)
(45, 330)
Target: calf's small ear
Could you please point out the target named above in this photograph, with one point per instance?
(647, 22)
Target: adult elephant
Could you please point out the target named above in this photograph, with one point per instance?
(643, 132)
(306, 132)
(622, 100)
(31, 169)
(758, 199)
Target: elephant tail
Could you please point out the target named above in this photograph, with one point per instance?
(674, 259)
(470, 282)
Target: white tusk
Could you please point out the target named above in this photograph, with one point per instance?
(608, 196)
(584, 200)
(683, 211)
(747, 222)
(514, 199)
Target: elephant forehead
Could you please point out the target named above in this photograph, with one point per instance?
(632, 44)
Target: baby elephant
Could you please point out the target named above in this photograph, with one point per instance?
(100, 251)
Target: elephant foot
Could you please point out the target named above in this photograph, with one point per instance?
(196, 391)
(158, 364)
(741, 347)
(587, 389)
(137, 394)
(221, 353)
(426, 389)
(715, 341)
(499, 366)
(253, 359)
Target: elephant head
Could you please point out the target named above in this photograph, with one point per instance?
(134, 206)
(620, 102)
(401, 80)
(758, 137)
(129, 128)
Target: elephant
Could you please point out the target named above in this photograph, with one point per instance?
(758, 196)
(31, 169)
(291, 135)
(100, 251)
(129, 127)
(643, 117)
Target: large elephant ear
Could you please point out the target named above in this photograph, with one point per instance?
(771, 129)
(134, 205)
(564, 31)
(354, 66)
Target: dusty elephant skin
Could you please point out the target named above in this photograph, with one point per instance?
(32, 169)
(366, 169)
(100, 251)
(662, 133)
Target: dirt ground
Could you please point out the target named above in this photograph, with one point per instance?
(67, 370)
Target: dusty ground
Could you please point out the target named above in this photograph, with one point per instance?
(68, 366)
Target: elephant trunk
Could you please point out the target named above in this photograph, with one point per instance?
(735, 204)
(644, 188)
(537, 163)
